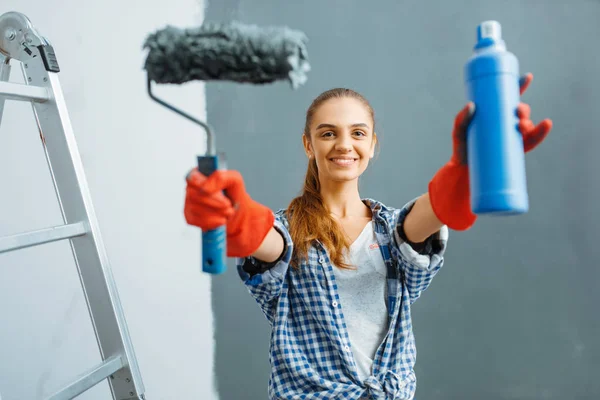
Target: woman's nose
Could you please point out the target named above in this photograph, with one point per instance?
(343, 144)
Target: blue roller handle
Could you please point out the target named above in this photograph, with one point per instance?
(214, 244)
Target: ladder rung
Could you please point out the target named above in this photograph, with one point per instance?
(89, 379)
(17, 91)
(47, 235)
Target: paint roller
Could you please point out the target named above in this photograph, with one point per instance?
(223, 51)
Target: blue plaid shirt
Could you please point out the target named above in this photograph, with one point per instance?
(310, 351)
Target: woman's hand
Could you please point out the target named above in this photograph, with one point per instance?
(449, 189)
(207, 207)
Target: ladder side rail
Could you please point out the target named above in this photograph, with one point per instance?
(76, 205)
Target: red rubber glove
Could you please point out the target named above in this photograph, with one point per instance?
(449, 189)
(206, 207)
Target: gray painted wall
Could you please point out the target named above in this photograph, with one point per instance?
(513, 314)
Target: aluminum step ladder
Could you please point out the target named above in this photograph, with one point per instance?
(20, 42)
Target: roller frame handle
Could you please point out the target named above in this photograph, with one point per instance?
(214, 242)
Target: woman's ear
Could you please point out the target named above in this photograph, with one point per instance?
(373, 145)
(307, 146)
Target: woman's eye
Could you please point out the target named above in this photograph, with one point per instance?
(327, 134)
(360, 133)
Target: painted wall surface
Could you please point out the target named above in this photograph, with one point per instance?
(514, 312)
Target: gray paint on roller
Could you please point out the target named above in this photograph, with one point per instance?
(227, 51)
(514, 312)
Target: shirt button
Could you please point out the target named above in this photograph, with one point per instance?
(321, 260)
(347, 348)
(335, 304)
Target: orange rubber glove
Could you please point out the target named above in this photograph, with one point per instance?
(206, 207)
(449, 188)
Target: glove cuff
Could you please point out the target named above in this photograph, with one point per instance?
(248, 228)
(450, 196)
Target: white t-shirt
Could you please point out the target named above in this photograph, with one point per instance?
(363, 294)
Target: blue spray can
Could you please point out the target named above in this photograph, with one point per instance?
(495, 153)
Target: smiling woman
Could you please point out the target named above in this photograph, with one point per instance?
(335, 273)
(339, 141)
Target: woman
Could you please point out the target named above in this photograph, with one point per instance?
(336, 274)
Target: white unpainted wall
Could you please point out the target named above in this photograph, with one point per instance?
(135, 155)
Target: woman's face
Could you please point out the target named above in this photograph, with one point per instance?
(342, 140)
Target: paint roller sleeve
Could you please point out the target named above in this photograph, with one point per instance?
(229, 51)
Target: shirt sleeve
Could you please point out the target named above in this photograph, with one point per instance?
(265, 280)
(419, 263)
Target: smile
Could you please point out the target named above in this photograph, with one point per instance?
(343, 162)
